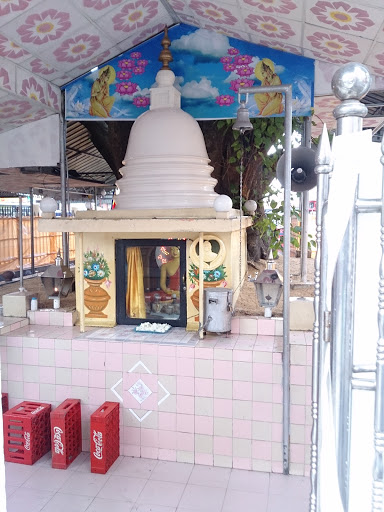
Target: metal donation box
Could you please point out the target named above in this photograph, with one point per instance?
(217, 309)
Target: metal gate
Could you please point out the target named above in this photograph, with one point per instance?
(348, 343)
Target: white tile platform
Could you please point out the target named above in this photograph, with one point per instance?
(147, 485)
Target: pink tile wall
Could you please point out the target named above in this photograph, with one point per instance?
(218, 403)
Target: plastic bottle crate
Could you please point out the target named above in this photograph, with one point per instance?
(66, 433)
(27, 435)
(4, 402)
(105, 437)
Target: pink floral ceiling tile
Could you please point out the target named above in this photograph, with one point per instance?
(40, 68)
(10, 9)
(376, 56)
(377, 71)
(345, 17)
(335, 44)
(97, 61)
(7, 75)
(326, 58)
(31, 86)
(291, 9)
(179, 6)
(380, 35)
(277, 45)
(227, 32)
(131, 17)
(78, 48)
(62, 80)
(217, 13)
(54, 97)
(12, 107)
(45, 25)
(12, 51)
(95, 9)
(188, 19)
(4, 80)
(146, 33)
(273, 28)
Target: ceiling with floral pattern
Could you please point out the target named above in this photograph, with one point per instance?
(45, 44)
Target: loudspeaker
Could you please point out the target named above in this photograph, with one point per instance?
(303, 175)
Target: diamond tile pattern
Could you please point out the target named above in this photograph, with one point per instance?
(140, 391)
(46, 43)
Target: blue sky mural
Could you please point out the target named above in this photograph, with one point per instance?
(209, 68)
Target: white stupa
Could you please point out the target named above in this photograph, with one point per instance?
(166, 164)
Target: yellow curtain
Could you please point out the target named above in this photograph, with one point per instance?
(135, 301)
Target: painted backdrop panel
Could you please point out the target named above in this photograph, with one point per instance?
(209, 68)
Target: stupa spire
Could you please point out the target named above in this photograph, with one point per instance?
(165, 55)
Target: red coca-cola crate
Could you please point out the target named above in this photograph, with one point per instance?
(66, 433)
(105, 442)
(27, 436)
(4, 402)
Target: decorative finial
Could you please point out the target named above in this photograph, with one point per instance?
(165, 54)
(324, 153)
(351, 81)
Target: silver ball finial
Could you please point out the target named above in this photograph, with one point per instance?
(352, 81)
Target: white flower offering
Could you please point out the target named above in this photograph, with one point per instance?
(153, 327)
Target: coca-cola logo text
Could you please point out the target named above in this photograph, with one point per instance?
(27, 439)
(59, 447)
(40, 408)
(98, 440)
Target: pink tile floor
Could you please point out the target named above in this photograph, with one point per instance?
(147, 485)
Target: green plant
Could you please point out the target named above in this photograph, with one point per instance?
(95, 266)
(210, 276)
(254, 156)
(271, 228)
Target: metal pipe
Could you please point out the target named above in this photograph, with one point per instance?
(368, 205)
(31, 216)
(81, 281)
(201, 285)
(287, 90)
(21, 264)
(64, 177)
(95, 197)
(305, 211)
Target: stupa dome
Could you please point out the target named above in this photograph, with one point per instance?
(166, 163)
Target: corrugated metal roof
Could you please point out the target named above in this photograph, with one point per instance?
(84, 158)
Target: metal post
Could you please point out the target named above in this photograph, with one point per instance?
(32, 216)
(287, 90)
(21, 265)
(95, 197)
(378, 468)
(64, 177)
(80, 255)
(305, 210)
(323, 168)
(349, 115)
(201, 285)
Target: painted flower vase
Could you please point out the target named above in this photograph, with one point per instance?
(96, 298)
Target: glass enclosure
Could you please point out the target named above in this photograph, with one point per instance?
(150, 284)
